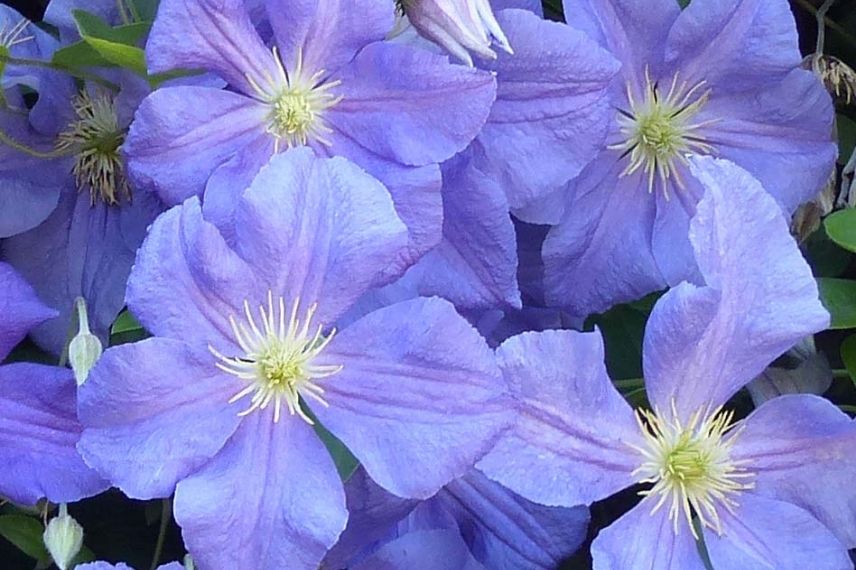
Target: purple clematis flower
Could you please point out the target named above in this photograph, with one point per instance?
(501, 530)
(86, 246)
(218, 406)
(550, 119)
(38, 411)
(328, 83)
(719, 78)
(773, 490)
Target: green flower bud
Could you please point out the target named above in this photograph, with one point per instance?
(63, 538)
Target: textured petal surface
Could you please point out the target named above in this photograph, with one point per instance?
(325, 32)
(372, 513)
(702, 344)
(419, 399)
(551, 113)
(318, 229)
(271, 499)
(423, 550)
(214, 35)
(194, 130)
(187, 282)
(475, 266)
(415, 192)
(765, 533)
(601, 253)
(38, 434)
(29, 187)
(85, 251)
(20, 309)
(632, 31)
(423, 113)
(570, 443)
(781, 135)
(799, 448)
(734, 45)
(154, 412)
(507, 532)
(644, 541)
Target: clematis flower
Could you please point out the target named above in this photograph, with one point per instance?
(549, 120)
(218, 407)
(719, 79)
(100, 565)
(773, 489)
(499, 529)
(86, 246)
(38, 412)
(81, 238)
(328, 83)
(460, 26)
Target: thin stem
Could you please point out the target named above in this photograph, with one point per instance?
(832, 25)
(847, 408)
(10, 142)
(629, 383)
(840, 373)
(50, 65)
(123, 14)
(166, 516)
(820, 15)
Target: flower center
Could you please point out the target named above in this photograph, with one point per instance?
(278, 358)
(658, 131)
(298, 102)
(94, 138)
(690, 466)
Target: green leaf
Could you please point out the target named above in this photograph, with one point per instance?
(848, 356)
(841, 228)
(26, 534)
(125, 322)
(79, 54)
(839, 298)
(112, 46)
(345, 461)
(827, 258)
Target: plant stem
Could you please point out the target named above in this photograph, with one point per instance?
(166, 516)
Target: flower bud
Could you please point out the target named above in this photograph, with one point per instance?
(459, 26)
(85, 348)
(63, 538)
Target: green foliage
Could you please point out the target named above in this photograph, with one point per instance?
(26, 534)
(839, 298)
(841, 228)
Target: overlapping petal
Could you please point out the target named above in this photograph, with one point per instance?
(552, 111)
(271, 499)
(419, 398)
(702, 344)
(765, 533)
(154, 412)
(38, 434)
(797, 446)
(642, 539)
(571, 443)
(194, 130)
(20, 308)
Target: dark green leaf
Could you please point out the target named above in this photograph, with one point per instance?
(827, 258)
(841, 228)
(125, 322)
(116, 46)
(26, 534)
(345, 461)
(839, 298)
(846, 137)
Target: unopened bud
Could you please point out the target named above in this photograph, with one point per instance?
(63, 538)
(85, 348)
(459, 26)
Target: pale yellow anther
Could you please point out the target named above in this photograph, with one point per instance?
(277, 364)
(690, 467)
(658, 131)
